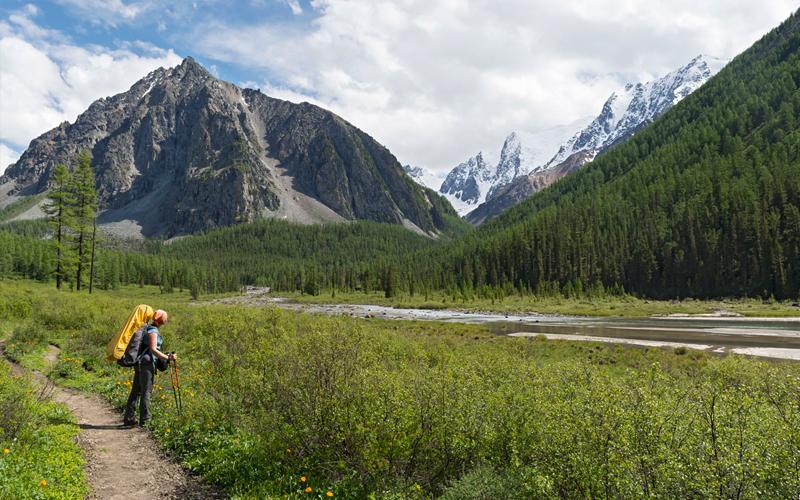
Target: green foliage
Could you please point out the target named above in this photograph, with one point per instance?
(84, 210)
(376, 407)
(38, 454)
(59, 211)
(287, 256)
(485, 483)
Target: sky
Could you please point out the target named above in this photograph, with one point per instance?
(435, 81)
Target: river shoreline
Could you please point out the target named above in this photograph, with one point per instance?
(776, 338)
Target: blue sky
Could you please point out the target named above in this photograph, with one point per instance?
(168, 25)
(435, 80)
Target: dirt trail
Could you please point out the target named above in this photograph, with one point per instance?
(122, 463)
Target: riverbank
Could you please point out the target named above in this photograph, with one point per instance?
(716, 333)
(610, 306)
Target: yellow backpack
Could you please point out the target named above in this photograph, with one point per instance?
(116, 347)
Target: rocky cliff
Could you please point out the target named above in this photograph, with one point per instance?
(183, 151)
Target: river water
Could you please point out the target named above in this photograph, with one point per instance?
(768, 337)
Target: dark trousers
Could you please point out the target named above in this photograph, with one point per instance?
(140, 389)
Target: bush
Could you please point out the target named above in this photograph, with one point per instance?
(481, 483)
(403, 409)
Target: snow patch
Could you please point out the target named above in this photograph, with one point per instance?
(149, 89)
(475, 180)
(425, 177)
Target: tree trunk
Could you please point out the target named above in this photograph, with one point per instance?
(94, 241)
(59, 257)
(80, 261)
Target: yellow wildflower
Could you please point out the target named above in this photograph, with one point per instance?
(6, 451)
(329, 493)
(308, 489)
(302, 479)
(43, 483)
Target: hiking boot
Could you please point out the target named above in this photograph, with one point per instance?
(128, 423)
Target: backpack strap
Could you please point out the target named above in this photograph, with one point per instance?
(148, 329)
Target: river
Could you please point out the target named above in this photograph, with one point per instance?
(764, 337)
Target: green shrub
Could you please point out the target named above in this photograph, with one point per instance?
(404, 409)
(483, 483)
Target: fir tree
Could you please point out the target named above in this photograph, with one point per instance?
(59, 210)
(85, 199)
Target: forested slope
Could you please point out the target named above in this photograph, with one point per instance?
(702, 203)
(280, 254)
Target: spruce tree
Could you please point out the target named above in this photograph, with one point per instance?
(59, 210)
(85, 197)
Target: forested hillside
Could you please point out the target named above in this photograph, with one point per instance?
(289, 256)
(702, 203)
(280, 254)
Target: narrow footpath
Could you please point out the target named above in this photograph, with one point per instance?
(121, 463)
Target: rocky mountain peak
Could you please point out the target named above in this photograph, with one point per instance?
(463, 184)
(635, 106)
(183, 151)
(189, 68)
(624, 113)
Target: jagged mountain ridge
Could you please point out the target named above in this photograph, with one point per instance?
(183, 151)
(473, 181)
(637, 105)
(549, 154)
(622, 115)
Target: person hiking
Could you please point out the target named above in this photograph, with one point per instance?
(145, 369)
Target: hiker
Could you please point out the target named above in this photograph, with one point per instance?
(145, 369)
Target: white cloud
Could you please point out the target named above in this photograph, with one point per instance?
(110, 12)
(7, 157)
(295, 6)
(438, 80)
(45, 80)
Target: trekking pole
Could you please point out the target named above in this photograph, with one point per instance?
(172, 380)
(176, 384)
(180, 393)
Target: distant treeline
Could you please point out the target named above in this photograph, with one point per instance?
(283, 255)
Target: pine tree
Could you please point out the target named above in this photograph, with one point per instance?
(94, 245)
(59, 210)
(85, 197)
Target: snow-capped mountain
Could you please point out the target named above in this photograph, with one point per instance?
(424, 177)
(627, 111)
(557, 151)
(466, 185)
(623, 114)
(471, 182)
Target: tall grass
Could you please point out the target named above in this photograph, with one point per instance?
(371, 407)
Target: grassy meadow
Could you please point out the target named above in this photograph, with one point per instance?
(290, 405)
